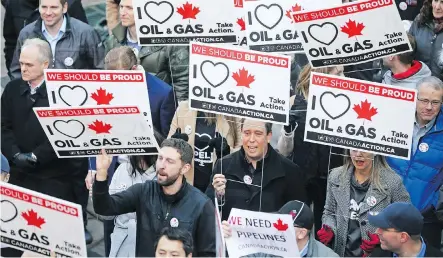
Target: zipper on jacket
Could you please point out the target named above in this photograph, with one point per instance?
(167, 211)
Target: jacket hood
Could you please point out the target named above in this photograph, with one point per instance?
(418, 71)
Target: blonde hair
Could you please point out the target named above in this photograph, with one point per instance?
(302, 87)
(378, 164)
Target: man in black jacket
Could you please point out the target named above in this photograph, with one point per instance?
(20, 13)
(34, 164)
(168, 202)
(260, 179)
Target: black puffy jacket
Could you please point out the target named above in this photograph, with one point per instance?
(155, 210)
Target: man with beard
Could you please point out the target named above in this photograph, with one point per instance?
(168, 202)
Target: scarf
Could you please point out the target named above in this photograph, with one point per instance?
(438, 25)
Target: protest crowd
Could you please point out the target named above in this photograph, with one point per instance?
(213, 181)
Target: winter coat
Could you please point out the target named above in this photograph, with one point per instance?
(411, 11)
(20, 13)
(430, 252)
(154, 210)
(422, 175)
(408, 79)
(186, 118)
(169, 63)
(80, 42)
(282, 182)
(429, 46)
(21, 132)
(336, 213)
(124, 234)
(315, 160)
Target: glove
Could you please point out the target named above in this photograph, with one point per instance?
(179, 135)
(220, 144)
(25, 160)
(325, 234)
(368, 245)
(294, 115)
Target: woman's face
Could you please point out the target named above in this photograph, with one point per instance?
(338, 70)
(361, 160)
(437, 9)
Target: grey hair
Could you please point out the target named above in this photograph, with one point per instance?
(183, 148)
(120, 58)
(44, 49)
(433, 81)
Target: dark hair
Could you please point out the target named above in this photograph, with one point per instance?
(425, 16)
(179, 235)
(408, 57)
(63, 2)
(148, 159)
(183, 148)
(268, 126)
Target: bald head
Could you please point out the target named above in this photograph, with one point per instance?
(121, 58)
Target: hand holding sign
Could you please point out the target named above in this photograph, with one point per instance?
(219, 184)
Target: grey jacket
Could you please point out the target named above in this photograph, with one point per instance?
(169, 63)
(336, 213)
(429, 46)
(80, 42)
(124, 235)
(410, 80)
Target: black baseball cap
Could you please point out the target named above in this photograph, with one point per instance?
(401, 216)
(302, 215)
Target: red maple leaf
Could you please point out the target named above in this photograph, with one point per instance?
(242, 24)
(100, 127)
(102, 97)
(243, 78)
(295, 8)
(33, 218)
(352, 28)
(280, 226)
(188, 11)
(365, 111)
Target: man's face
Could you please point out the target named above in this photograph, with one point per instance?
(127, 13)
(30, 65)
(429, 102)
(170, 248)
(390, 239)
(255, 140)
(169, 166)
(52, 11)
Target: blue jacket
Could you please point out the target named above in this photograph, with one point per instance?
(161, 100)
(423, 174)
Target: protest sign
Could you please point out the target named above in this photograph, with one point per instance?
(352, 33)
(177, 22)
(242, 83)
(260, 232)
(362, 115)
(39, 223)
(73, 88)
(270, 26)
(220, 250)
(84, 131)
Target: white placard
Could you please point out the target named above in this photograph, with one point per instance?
(362, 115)
(84, 131)
(220, 247)
(270, 26)
(177, 22)
(237, 82)
(261, 233)
(36, 222)
(353, 33)
(74, 88)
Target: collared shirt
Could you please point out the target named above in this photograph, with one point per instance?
(421, 253)
(34, 90)
(420, 131)
(132, 43)
(304, 251)
(53, 40)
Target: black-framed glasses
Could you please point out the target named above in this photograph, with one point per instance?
(434, 103)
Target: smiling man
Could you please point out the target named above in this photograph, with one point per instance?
(168, 202)
(423, 174)
(74, 44)
(237, 177)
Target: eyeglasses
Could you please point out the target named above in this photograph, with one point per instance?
(434, 103)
